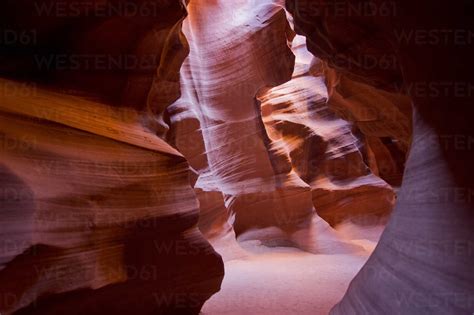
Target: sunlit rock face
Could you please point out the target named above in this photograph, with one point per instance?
(424, 261)
(271, 157)
(382, 117)
(97, 212)
(363, 75)
(238, 48)
(322, 148)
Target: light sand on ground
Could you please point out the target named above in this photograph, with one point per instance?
(283, 281)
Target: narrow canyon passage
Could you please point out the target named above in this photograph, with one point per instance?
(185, 157)
(270, 154)
(269, 147)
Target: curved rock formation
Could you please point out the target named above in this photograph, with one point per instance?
(321, 146)
(97, 211)
(424, 261)
(256, 171)
(141, 127)
(100, 211)
(384, 118)
(363, 75)
(228, 145)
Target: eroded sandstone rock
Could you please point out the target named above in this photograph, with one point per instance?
(267, 157)
(322, 148)
(424, 261)
(98, 214)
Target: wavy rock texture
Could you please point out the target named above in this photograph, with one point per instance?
(266, 157)
(383, 117)
(231, 152)
(97, 213)
(363, 75)
(93, 222)
(423, 263)
(321, 146)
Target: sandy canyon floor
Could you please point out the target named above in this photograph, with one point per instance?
(283, 280)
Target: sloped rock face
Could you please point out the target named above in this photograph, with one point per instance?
(424, 261)
(97, 212)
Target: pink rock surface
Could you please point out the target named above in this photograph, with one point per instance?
(273, 151)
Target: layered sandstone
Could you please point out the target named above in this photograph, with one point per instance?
(214, 119)
(97, 214)
(226, 141)
(423, 263)
(264, 161)
(323, 148)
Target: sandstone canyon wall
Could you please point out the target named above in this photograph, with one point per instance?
(97, 211)
(326, 151)
(424, 261)
(129, 137)
(271, 157)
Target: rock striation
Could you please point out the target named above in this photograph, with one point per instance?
(272, 158)
(97, 212)
(136, 133)
(323, 148)
(423, 263)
